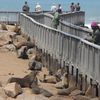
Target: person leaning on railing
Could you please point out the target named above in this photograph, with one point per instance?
(56, 19)
(94, 37)
(25, 8)
(96, 33)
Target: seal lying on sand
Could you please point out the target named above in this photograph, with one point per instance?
(25, 81)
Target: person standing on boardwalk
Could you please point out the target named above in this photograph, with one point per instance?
(72, 7)
(53, 8)
(96, 33)
(38, 7)
(77, 7)
(59, 9)
(56, 19)
(25, 8)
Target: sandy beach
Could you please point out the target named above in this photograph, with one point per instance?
(12, 66)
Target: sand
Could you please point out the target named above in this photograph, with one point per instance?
(11, 66)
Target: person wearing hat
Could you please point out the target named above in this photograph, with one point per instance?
(38, 7)
(96, 33)
(53, 8)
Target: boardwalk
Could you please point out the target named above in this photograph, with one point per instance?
(65, 47)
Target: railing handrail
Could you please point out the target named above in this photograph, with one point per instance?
(64, 46)
(85, 41)
(87, 31)
(79, 52)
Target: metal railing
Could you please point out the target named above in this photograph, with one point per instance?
(9, 17)
(74, 17)
(65, 47)
(65, 26)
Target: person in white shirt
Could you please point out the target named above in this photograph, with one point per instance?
(38, 7)
(53, 8)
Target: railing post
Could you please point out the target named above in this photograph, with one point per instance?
(76, 76)
(97, 91)
(72, 71)
(81, 82)
(85, 82)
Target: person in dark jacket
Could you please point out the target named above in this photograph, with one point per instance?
(25, 8)
(59, 9)
(77, 7)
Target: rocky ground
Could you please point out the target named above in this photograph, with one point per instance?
(13, 65)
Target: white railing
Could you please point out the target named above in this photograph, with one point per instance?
(9, 17)
(65, 26)
(65, 47)
(74, 17)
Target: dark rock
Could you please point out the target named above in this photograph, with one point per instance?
(22, 52)
(35, 65)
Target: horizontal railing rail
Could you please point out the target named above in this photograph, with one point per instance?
(65, 26)
(76, 17)
(65, 47)
(9, 17)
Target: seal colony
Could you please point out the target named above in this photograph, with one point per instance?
(28, 76)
